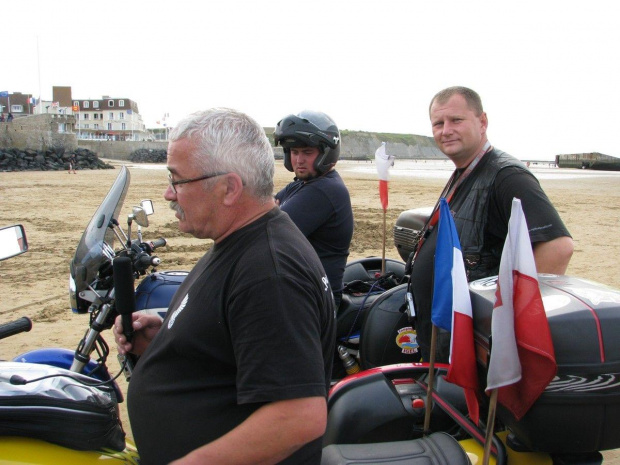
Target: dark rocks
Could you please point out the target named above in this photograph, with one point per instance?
(148, 156)
(49, 160)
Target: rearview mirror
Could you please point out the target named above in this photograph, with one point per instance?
(140, 216)
(147, 206)
(12, 241)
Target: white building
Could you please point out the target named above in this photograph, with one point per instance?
(109, 119)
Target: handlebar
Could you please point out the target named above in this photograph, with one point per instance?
(141, 254)
(21, 325)
(158, 243)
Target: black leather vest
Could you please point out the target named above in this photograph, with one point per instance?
(470, 208)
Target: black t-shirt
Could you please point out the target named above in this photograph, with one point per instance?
(321, 209)
(252, 323)
(543, 221)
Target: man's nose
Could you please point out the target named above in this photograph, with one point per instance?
(448, 127)
(169, 194)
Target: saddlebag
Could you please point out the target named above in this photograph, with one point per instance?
(580, 409)
(58, 409)
(388, 336)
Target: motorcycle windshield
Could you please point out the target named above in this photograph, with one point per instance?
(97, 243)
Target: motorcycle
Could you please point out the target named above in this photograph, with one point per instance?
(97, 271)
(59, 405)
(50, 414)
(379, 414)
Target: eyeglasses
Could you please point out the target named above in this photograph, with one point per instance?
(185, 181)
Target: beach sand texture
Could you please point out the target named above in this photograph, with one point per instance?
(55, 207)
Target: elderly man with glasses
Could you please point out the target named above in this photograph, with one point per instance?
(238, 371)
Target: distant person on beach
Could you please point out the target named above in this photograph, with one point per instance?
(72, 164)
(239, 370)
(480, 194)
(9, 117)
(317, 200)
(1, 117)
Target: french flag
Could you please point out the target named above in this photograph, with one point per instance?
(451, 308)
(522, 360)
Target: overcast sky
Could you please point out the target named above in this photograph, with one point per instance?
(547, 70)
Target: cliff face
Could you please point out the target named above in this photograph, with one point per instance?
(362, 145)
(358, 145)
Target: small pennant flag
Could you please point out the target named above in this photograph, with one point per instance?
(384, 162)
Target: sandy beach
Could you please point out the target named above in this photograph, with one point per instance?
(54, 208)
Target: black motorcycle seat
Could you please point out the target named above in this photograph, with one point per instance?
(436, 449)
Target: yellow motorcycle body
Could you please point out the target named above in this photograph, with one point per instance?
(25, 451)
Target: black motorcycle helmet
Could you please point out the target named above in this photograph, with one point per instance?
(309, 129)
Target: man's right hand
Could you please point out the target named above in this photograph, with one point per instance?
(145, 328)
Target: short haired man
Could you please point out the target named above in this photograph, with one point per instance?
(239, 369)
(317, 200)
(480, 194)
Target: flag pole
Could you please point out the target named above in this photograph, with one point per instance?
(383, 252)
(488, 439)
(39, 69)
(383, 161)
(431, 381)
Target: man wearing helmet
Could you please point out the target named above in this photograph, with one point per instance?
(317, 200)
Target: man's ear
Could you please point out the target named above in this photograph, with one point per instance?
(484, 122)
(234, 189)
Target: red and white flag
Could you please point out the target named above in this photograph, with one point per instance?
(522, 357)
(384, 162)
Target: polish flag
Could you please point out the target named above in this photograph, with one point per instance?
(384, 162)
(451, 309)
(522, 357)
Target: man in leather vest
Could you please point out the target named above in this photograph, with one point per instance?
(480, 194)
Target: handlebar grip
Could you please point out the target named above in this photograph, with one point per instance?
(144, 261)
(21, 325)
(158, 243)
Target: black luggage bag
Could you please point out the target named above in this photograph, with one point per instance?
(580, 409)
